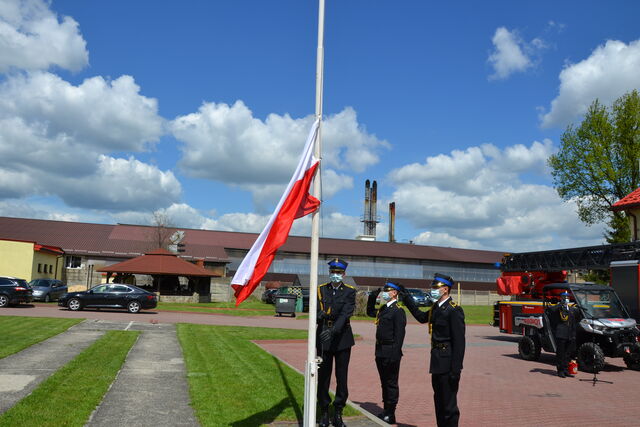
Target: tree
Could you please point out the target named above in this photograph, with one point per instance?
(598, 163)
(160, 233)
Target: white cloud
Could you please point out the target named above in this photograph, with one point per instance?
(476, 199)
(510, 53)
(609, 72)
(33, 38)
(227, 144)
(55, 139)
(106, 115)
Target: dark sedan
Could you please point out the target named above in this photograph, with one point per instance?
(421, 299)
(111, 295)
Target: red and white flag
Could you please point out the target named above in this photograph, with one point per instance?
(296, 202)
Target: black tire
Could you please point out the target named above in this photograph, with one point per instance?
(4, 300)
(632, 360)
(134, 306)
(47, 298)
(529, 348)
(590, 357)
(74, 304)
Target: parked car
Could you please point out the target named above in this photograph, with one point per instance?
(419, 297)
(14, 291)
(111, 295)
(47, 289)
(267, 296)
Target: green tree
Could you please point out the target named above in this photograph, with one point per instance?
(598, 163)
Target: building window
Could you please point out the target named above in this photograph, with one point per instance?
(39, 268)
(72, 261)
(50, 269)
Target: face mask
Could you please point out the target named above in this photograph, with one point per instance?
(385, 296)
(435, 294)
(565, 301)
(335, 277)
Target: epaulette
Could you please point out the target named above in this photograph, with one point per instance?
(324, 284)
(348, 286)
(453, 303)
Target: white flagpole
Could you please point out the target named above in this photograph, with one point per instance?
(311, 370)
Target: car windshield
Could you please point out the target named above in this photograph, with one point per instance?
(415, 291)
(600, 304)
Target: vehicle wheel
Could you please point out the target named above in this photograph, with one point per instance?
(632, 359)
(590, 357)
(529, 348)
(133, 307)
(74, 304)
(47, 298)
(4, 301)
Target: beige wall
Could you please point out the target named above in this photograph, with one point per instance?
(635, 212)
(47, 264)
(16, 259)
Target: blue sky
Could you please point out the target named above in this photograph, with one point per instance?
(111, 111)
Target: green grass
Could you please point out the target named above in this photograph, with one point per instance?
(19, 333)
(68, 397)
(250, 307)
(233, 382)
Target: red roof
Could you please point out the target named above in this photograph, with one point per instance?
(159, 261)
(631, 200)
(126, 241)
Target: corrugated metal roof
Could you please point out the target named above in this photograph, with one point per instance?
(133, 240)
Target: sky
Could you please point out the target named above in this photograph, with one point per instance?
(111, 111)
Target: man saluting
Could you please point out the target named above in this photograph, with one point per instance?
(446, 326)
(334, 339)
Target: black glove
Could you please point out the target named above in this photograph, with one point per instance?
(321, 316)
(326, 335)
(454, 380)
(376, 292)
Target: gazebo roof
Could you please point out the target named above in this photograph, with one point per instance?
(159, 261)
(630, 201)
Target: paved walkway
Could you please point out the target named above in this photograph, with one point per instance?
(22, 372)
(497, 387)
(151, 388)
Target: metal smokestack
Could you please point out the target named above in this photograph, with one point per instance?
(392, 222)
(374, 207)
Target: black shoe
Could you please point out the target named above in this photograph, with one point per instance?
(337, 419)
(389, 418)
(561, 374)
(324, 419)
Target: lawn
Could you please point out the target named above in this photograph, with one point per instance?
(68, 397)
(250, 307)
(233, 382)
(19, 333)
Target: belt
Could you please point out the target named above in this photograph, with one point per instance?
(441, 346)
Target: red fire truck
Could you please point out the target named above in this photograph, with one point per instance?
(606, 327)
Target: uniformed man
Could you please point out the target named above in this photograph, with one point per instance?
(563, 318)
(446, 326)
(391, 323)
(334, 339)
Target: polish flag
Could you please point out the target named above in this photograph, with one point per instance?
(296, 202)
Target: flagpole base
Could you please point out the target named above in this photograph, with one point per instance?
(310, 390)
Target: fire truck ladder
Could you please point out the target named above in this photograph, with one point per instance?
(586, 258)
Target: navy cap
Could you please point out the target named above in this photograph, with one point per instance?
(390, 285)
(441, 280)
(338, 264)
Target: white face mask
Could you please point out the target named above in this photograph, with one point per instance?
(385, 296)
(435, 294)
(335, 277)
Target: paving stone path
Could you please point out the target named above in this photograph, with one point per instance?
(151, 388)
(22, 372)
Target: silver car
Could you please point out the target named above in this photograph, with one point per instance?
(47, 289)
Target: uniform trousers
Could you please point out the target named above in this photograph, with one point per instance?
(563, 349)
(389, 370)
(341, 358)
(445, 399)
